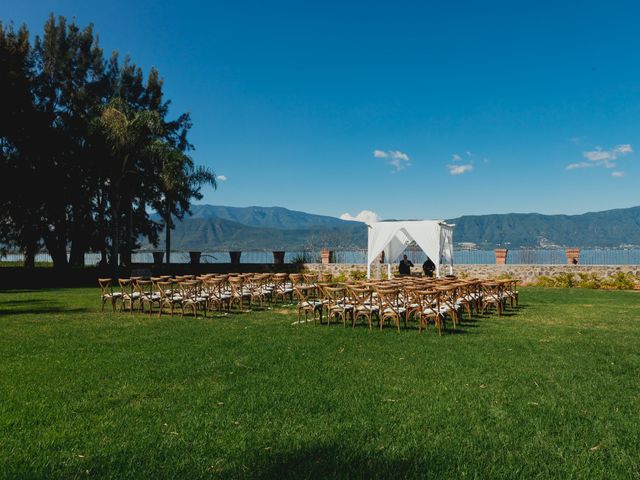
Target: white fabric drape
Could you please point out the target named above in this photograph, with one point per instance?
(434, 237)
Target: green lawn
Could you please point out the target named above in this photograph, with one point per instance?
(552, 391)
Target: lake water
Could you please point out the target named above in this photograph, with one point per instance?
(595, 256)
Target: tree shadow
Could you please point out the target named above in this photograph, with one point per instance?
(35, 307)
(341, 461)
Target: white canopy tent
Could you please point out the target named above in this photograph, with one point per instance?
(434, 237)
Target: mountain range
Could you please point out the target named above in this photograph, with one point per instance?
(212, 227)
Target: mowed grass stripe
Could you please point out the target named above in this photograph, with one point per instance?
(550, 391)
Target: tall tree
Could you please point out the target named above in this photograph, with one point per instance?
(180, 181)
(20, 208)
(130, 135)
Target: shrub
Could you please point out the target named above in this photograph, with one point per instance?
(544, 281)
(589, 280)
(340, 278)
(357, 275)
(565, 280)
(620, 281)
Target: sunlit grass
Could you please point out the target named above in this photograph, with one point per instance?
(552, 390)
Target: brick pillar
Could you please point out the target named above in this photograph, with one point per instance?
(278, 257)
(501, 256)
(325, 255)
(235, 257)
(573, 256)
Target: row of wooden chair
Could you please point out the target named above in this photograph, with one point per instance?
(404, 299)
(197, 294)
(399, 300)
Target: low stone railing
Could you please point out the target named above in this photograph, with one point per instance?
(525, 273)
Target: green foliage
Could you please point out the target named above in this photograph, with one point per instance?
(619, 281)
(90, 139)
(505, 276)
(544, 281)
(589, 280)
(357, 275)
(340, 278)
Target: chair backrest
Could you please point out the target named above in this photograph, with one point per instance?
(361, 296)
(127, 286)
(189, 289)
(325, 277)
(429, 301)
(310, 278)
(165, 289)
(296, 278)
(236, 284)
(106, 288)
(144, 288)
(388, 299)
(301, 293)
(334, 295)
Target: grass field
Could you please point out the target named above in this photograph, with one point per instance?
(551, 391)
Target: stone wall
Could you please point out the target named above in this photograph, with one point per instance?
(524, 273)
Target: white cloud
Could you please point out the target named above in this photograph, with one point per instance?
(573, 166)
(455, 157)
(399, 160)
(618, 174)
(221, 178)
(366, 216)
(459, 169)
(599, 154)
(623, 149)
(602, 158)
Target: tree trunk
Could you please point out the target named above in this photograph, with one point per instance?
(78, 249)
(115, 233)
(56, 246)
(30, 250)
(167, 232)
(127, 233)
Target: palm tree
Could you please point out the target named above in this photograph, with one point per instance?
(130, 135)
(180, 180)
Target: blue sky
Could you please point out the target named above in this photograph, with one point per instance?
(407, 109)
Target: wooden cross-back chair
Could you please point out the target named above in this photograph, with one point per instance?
(192, 298)
(129, 292)
(169, 296)
(492, 296)
(307, 305)
(335, 304)
(389, 307)
(239, 292)
(107, 294)
(430, 309)
(363, 307)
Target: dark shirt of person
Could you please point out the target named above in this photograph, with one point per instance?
(405, 266)
(429, 267)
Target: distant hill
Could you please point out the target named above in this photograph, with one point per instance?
(610, 228)
(270, 228)
(271, 217)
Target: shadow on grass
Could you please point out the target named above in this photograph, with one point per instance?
(36, 307)
(339, 461)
